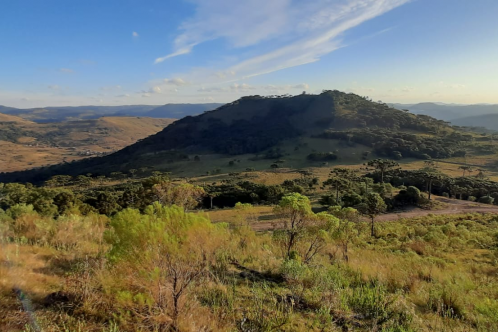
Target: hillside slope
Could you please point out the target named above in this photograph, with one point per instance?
(488, 121)
(258, 125)
(6, 118)
(26, 144)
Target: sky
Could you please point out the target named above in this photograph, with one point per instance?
(122, 52)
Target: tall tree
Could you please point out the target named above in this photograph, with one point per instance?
(372, 207)
(382, 166)
(295, 209)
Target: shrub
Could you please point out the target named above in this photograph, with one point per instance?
(243, 206)
(486, 200)
(351, 199)
(446, 302)
(375, 304)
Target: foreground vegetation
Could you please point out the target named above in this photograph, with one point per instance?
(124, 253)
(165, 269)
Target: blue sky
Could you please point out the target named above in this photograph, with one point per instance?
(80, 52)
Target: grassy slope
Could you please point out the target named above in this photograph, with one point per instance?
(58, 142)
(12, 118)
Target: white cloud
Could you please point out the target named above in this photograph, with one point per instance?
(175, 81)
(211, 89)
(135, 34)
(241, 87)
(54, 87)
(126, 95)
(155, 89)
(181, 51)
(295, 32)
(302, 86)
(66, 70)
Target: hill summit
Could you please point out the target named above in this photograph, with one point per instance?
(254, 124)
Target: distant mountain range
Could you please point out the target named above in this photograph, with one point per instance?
(59, 114)
(478, 115)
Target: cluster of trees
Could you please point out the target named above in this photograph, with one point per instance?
(371, 114)
(398, 145)
(322, 156)
(108, 201)
(65, 193)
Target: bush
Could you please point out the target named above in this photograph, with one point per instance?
(243, 206)
(351, 199)
(375, 304)
(410, 196)
(486, 200)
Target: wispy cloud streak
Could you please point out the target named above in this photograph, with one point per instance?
(300, 32)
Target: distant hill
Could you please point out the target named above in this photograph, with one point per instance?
(179, 111)
(488, 121)
(260, 126)
(6, 109)
(26, 144)
(11, 119)
(448, 112)
(59, 114)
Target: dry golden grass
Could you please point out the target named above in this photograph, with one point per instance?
(106, 134)
(234, 216)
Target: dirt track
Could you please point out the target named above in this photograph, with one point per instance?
(452, 206)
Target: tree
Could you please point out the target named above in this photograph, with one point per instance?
(15, 193)
(382, 166)
(59, 181)
(340, 178)
(185, 195)
(429, 176)
(64, 201)
(295, 209)
(211, 196)
(83, 181)
(372, 207)
(481, 175)
(466, 168)
(166, 251)
(345, 231)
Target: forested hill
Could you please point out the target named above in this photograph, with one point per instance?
(254, 124)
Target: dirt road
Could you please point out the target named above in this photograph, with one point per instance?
(451, 206)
